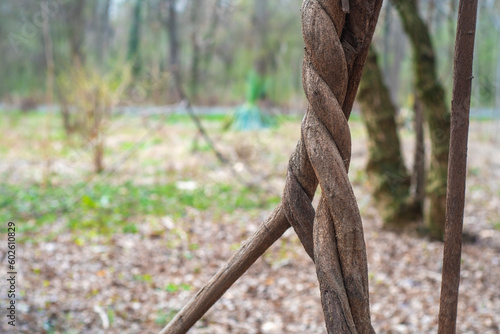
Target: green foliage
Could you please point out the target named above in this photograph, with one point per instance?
(256, 88)
(249, 116)
(107, 208)
(172, 287)
(88, 97)
(143, 278)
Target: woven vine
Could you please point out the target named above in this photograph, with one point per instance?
(336, 47)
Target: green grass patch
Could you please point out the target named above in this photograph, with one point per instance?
(105, 209)
(185, 118)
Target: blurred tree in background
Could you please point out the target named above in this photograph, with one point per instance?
(386, 167)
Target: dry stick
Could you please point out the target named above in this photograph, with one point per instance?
(457, 167)
(196, 120)
(264, 237)
(301, 180)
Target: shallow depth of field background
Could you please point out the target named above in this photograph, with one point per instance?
(122, 209)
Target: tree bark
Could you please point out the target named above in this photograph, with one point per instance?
(387, 173)
(432, 96)
(457, 169)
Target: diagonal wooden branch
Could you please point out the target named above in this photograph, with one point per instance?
(457, 167)
(333, 79)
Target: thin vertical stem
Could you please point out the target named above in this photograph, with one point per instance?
(457, 166)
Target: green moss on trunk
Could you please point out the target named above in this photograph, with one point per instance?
(436, 113)
(387, 173)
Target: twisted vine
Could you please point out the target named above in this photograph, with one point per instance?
(336, 48)
(333, 236)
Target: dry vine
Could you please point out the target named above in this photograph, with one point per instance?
(336, 47)
(457, 168)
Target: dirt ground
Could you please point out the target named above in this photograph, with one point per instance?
(136, 282)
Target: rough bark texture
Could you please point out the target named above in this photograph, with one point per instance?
(431, 94)
(387, 173)
(460, 105)
(336, 48)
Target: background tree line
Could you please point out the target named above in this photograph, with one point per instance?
(215, 44)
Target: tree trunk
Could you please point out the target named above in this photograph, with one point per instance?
(431, 94)
(75, 19)
(208, 38)
(173, 41)
(457, 171)
(134, 52)
(196, 52)
(263, 56)
(103, 33)
(49, 56)
(418, 177)
(387, 173)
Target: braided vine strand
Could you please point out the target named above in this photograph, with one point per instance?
(339, 253)
(338, 243)
(356, 34)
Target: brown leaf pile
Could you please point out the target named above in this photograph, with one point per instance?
(134, 283)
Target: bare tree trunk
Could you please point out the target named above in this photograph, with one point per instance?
(196, 50)
(419, 157)
(98, 156)
(49, 57)
(134, 44)
(263, 56)
(103, 33)
(457, 169)
(208, 38)
(387, 173)
(75, 18)
(432, 96)
(173, 41)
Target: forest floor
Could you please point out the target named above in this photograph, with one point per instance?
(124, 251)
